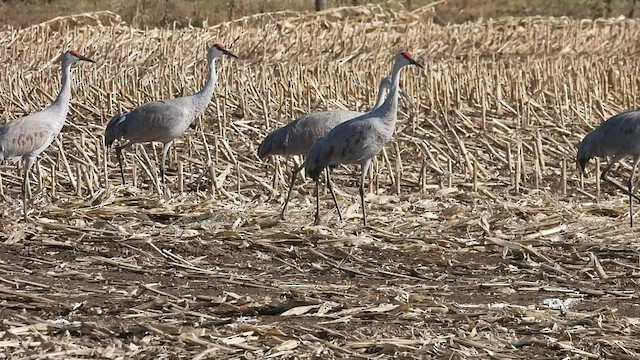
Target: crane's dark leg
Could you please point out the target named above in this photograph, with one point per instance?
(333, 193)
(163, 160)
(636, 160)
(28, 184)
(294, 173)
(28, 162)
(606, 178)
(317, 221)
(121, 160)
(365, 168)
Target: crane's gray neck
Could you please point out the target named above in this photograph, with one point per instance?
(202, 98)
(389, 108)
(61, 103)
(382, 92)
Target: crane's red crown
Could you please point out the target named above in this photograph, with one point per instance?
(73, 52)
(407, 54)
(219, 46)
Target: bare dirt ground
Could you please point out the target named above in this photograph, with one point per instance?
(236, 283)
(477, 252)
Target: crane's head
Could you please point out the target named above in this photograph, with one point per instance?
(582, 164)
(72, 56)
(218, 50)
(404, 58)
(586, 150)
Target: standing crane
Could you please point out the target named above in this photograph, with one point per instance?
(163, 120)
(359, 140)
(617, 137)
(297, 137)
(28, 136)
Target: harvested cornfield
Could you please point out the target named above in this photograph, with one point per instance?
(484, 240)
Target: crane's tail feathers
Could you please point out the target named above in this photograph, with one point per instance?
(112, 132)
(274, 144)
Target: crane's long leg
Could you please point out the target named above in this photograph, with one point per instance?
(121, 160)
(317, 221)
(165, 151)
(294, 173)
(333, 193)
(606, 178)
(28, 162)
(28, 184)
(365, 168)
(636, 160)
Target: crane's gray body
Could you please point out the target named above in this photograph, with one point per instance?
(297, 137)
(162, 121)
(356, 141)
(617, 137)
(359, 140)
(30, 135)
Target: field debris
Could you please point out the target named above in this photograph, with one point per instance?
(479, 219)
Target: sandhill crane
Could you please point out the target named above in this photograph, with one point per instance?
(28, 136)
(297, 137)
(359, 140)
(163, 120)
(617, 137)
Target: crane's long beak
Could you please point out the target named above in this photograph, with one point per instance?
(84, 58)
(412, 61)
(227, 52)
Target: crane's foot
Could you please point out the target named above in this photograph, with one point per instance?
(284, 209)
(25, 215)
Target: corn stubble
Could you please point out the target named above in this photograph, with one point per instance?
(485, 151)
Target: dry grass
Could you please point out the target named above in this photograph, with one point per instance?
(181, 13)
(478, 215)
(152, 13)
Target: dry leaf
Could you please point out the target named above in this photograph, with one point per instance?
(299, 310)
